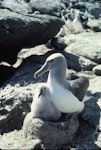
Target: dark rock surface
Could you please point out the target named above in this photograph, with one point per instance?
(97, 70)
(92, 106)
(52, 134)
(39, 134)
(6, 72)
(95, 11)
(26, 31)
(18, 31)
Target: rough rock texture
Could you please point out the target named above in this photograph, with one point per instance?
(95, 11)
(78, 63)
(97, 70)
(50, 7)
(85, 44)
(93, 105)
(17, 141)
(18, 21)
(39, 134)
(94, 24)
(27, 31)
(50, 133)
(24, 31)
(14, 104)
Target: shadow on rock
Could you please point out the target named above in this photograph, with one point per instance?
(88, 131)
(6, 72)
(85, 137)
(92, 110)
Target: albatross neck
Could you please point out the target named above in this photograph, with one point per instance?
(58, 76)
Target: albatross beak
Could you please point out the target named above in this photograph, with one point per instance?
(43, 69)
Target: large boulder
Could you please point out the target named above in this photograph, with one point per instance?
(95, 24)
(95, 11)
(52, 134)
(50, 7)
(19, 30)
(92, 110)
(85, 44)
(97, 70)
(39, 134)
(25, 30)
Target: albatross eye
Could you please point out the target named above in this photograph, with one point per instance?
(51, 60)
(45, 89)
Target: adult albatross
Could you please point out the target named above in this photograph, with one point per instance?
(62, 91)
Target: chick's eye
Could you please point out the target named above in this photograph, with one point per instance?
(44, 89)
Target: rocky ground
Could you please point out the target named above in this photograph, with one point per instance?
(17, 84)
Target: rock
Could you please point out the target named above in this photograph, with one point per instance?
(16, 140)
(79, 5)
(95, 11)
(11, 115)
(86, 44)
(14, 104)
(6, 72)
(51, 134)
(86, 137)
(91, 111)
(56, 43)
(24, 31)
(94, 24)
(62, 32)
(80, 84)
(21, 7)
(76, 62)
(40, 53)
(98, 141)
(92, 114)
(95, 82)
(97, 70)
(50, 7)
(86, 64)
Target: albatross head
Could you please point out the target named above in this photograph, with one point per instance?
(55, 63)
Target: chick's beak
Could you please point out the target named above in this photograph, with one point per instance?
(40, 93)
